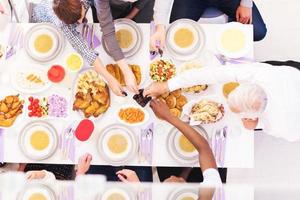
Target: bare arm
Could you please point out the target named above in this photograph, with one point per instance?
(206, 157)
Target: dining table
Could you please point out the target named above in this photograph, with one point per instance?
(238, 151)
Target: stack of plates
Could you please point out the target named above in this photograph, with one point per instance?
(117, 144)
(127, 29)
(44, 42)
(38, 140)
(185, 39)
(183, 156)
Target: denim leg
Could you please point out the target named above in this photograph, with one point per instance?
(229, 7)
(260, 29)
(190, 9)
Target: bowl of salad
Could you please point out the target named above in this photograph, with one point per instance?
(162, 70)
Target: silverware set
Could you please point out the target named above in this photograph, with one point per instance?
(67, 142)
(145, 194)
(218, 145)
(146, 145)
(67, 193)
(88, 33)
(15, 40)
(224, 60)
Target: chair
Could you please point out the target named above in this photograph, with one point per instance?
(213, 16)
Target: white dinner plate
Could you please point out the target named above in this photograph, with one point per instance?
(183, 193)
(19, 82)
(146, 114)
(244, 36)
(28, 150)
(124, 193)
(136, 33)
(114, 158)
(184, 54)
(53, 32)
(43, 191)
(175, 151)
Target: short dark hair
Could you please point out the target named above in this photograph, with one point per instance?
(68, 11)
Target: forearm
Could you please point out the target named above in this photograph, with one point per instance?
(206, 157)
(99, 67)
(108, 29)
(247, 3)
(123, 65)
(133, 13)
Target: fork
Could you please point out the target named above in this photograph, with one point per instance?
(13, 41)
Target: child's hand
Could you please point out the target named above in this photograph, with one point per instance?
(84, 164)
(127, 175)
(174, 179)
(32, 175)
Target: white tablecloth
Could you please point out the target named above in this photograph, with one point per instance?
(240, 142)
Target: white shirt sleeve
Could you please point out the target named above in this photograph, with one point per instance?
(162, 10)
(213, 75)
(49, 176)
(247, 3)
(211, 177)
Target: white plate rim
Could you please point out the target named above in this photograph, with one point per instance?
(50, 128)
(131, 135)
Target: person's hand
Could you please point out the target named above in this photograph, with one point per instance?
(174, 179)
(130, 80)
(159, 37)
(244, 15)
(32, 175)
(160, 109)
(115, 86)
(127, 175)
(156, 89)
(84, 164)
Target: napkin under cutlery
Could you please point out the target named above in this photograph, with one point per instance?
(160, 52)
(146, 144)
(224, 60)
(218, 145)
(89, 34)
(15, 40)
(67, 193)
(67, 143)
(1, 145)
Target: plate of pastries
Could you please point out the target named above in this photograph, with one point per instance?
(116, 72)
(175, 101)
(91, 95)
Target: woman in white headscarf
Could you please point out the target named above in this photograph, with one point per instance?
(266, 93)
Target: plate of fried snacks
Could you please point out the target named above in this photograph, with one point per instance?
(116, 72)
(206, 110)
(11, 107)
(91, 95)
(175, 101)
(162, 70)
(132, 115)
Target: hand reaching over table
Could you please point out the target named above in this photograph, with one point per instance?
(84, 164)
(158, 39)
(127, 175)
(160, 109)
(129, 76)
(156, 89)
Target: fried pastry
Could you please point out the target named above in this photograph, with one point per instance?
(175, 112)
(116, 72)
(10, 108)
(176, 93)
(171, 101)
(180, 102)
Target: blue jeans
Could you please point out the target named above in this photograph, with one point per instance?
(144, 173)
(193, 9)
